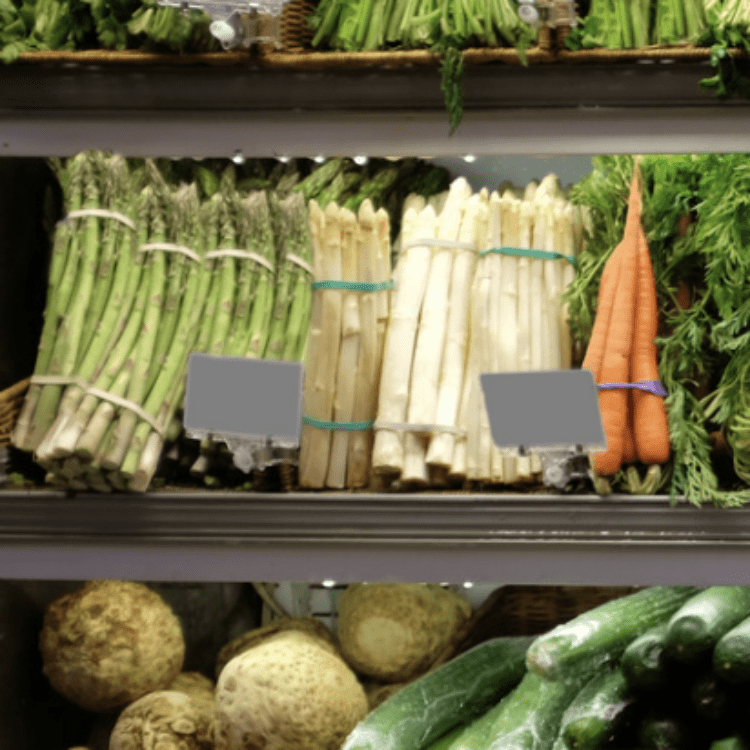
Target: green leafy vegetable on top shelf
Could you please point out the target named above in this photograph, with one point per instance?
(631, 24)
(704, 345)
(33, 25)
(443, 26)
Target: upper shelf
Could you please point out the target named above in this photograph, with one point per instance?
(172, 110)
(222, 536)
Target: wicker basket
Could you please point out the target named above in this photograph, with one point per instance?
(11, 400)
(297, 51)
(132, 57)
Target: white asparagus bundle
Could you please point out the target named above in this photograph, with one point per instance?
(388, 450)
(423, 390)
(325, 328)
(346, 376)
(368, 366)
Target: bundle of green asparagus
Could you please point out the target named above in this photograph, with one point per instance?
(346, 338)
(468, 300)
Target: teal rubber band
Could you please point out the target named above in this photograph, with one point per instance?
(340, 426)
(528, 253)
(356, 286)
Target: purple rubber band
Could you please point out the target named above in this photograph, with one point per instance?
(651, 386)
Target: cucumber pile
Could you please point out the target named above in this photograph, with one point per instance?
(666, 668)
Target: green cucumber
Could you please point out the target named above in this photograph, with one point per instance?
(700, 623)
(731, 658)
(729, 743)
(595, 713)
(665, 732)
(454, 694)
(602, 634)
(477, 733)
(710, 697)
(447, 740)
(644, 662)
(530, 716)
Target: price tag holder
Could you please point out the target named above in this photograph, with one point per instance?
(544, 411)
(244, 398)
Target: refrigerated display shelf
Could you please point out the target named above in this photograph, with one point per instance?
(513, 538)
(58, 110)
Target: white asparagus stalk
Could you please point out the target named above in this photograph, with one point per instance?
(453, 370)
(388, 451)
(568, 276)
(346, 378)
(492, 343)
(484, 462)
(524, 312)
(529, 192)
(320, 379)
(385, 298)
(360, 443)
(550, 187)
(539, 333)
(508, 343)
(438, 201)
(423, 390)
(412, 201)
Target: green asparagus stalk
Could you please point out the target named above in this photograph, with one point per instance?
(114, 452)
(211, 219)
(174, 369)
(63, 248)
(70, 329)
(261, 236)
(312, 185)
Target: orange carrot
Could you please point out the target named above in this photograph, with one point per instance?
(651, 426)
(615, 364)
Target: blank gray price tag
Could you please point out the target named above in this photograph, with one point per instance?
(545, 410)
(244, 397)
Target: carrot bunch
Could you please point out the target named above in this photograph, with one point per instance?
(622, 349)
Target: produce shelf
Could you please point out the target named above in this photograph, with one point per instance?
(173, 110)
(514, 538)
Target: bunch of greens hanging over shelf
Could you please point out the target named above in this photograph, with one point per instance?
(701, 272)
(443, 26)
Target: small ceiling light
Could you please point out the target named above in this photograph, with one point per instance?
(284, 159)
(468, 585)
(470, 158)
(319, 159)
(238, 158)
(360, 161)
(329, 584)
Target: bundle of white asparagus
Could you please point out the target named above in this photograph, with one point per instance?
(458, 311)
(347, 333)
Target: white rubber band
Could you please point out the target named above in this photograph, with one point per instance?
(130, 406)
(403, 427)
(242, 255)
(101, 213)
(168, 247)
(301, 262)
(60, 380)
(439, 243)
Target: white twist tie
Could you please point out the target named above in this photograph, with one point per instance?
(168, 247)
(137, 409)
(242, 255)
(439, 243)
(301, 262)
(101, 213)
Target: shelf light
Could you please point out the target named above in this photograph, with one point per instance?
(238, 158)
(319, 159)
(470, 158)
(329, 584)
(360, 161)
(284, 159)
(468, 585)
